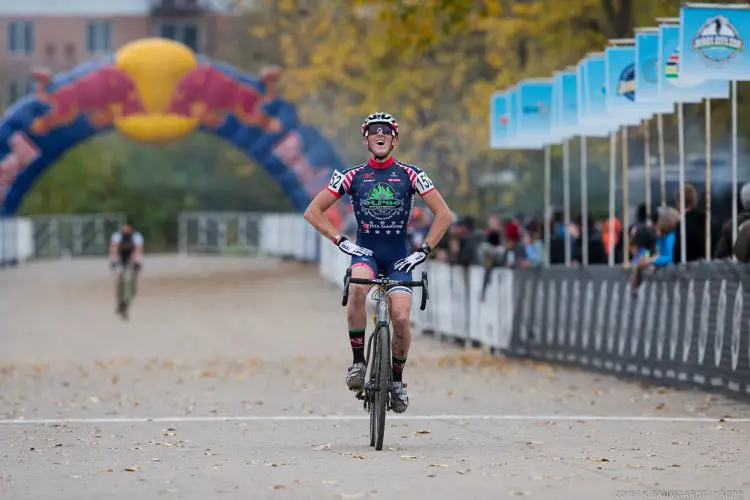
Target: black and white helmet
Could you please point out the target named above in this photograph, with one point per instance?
(380, 118)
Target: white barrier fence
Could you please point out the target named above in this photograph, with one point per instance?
(16, 240)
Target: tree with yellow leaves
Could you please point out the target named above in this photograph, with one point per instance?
(434, 64)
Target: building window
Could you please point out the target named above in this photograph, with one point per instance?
(19, 88)
(70, 50)
(183, 32)
(98, 37)
(50, 50)
(20, 37)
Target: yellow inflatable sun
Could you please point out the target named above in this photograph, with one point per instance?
(155, 65)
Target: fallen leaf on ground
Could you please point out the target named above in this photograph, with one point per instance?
(132, 469)
(278, 487)
(422, 432)
(324, 447)
(349, 496)
(603, 460)
(410, 457)
(438, 465)
(660, 406)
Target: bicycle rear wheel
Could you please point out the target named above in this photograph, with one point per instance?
(382, 371)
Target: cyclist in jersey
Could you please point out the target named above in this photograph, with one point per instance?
(382, 192)
(126, 246)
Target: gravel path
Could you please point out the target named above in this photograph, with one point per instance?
(240, 365)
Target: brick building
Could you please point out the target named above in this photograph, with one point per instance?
(60, 34)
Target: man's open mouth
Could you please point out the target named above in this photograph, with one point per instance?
(380, 142)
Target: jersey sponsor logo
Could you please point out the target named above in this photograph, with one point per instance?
(423, 183)
(337, 180)
(382, 202)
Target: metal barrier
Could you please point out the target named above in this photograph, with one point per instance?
(74, 235)
(684, 325)
(220, 232)
(16, 241)
(248, 233)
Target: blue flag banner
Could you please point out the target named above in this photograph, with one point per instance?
(582, 106)
(557, 129)
(712, 43)
(534, 112)
(620, 83)
(498, 120)
(512, 139)
(595, 93)
(674, 86)
(647, 64)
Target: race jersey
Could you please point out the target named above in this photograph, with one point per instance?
(126, 243)
(382, 196)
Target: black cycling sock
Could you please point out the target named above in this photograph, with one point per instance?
(357, 341)
(398, 368)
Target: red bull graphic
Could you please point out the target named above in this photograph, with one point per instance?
(290, 151)
(156, 90)
(101, 96)
(211, 95)
(23, 152)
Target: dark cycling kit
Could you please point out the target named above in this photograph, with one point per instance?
(382, 196)
(126, 244)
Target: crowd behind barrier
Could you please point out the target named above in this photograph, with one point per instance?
(16, 240)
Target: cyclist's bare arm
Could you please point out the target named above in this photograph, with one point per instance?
(442, 220)
(316, 214)
(138, 253)
(112, 251)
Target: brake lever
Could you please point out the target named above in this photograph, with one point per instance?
(347, 277)
(425, 292)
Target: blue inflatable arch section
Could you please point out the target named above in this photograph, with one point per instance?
(297, 156)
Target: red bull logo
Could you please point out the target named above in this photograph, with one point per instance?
(23, 152)
(101, 96)
(212, 96)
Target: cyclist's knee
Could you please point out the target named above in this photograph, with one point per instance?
(357, 295)
(400, 318)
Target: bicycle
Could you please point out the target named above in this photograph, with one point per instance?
(125, 277)
(375, 394)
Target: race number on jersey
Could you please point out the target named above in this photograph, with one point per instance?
(423, 184)
(337, 181)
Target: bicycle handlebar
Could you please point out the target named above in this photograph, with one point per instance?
(385, 282)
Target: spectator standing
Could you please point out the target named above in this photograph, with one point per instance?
(695, 228)
(724, 248)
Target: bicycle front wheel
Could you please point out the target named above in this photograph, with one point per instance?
(382, 385)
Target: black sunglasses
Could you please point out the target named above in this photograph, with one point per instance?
(379, 128)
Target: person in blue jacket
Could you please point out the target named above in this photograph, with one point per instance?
(665, 239)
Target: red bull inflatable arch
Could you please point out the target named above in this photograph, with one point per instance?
(154, 91)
